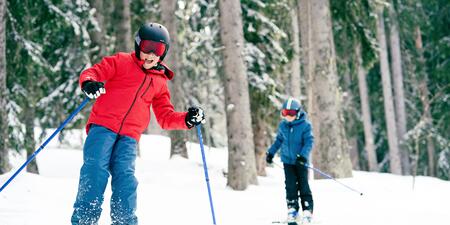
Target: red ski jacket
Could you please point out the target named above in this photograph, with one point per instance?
(130, 91)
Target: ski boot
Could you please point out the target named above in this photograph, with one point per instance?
(292, 217)
(306, 217)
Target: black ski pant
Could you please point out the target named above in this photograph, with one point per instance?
(296, 181)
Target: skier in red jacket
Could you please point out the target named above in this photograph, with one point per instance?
(124, 85)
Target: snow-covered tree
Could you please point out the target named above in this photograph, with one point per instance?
(266, 56)
(201, 65)
(354, 28)
(425, 46)
(4, 157)
(47, 45)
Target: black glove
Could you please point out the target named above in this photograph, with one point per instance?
(302, 160)
(194, 117)
(269, 158)
(93, 89)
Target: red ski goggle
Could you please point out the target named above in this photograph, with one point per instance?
(148, 46)
(289, 112)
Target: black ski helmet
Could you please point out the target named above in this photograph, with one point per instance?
(153, 32)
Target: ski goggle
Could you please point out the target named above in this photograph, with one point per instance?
(147, 46)
(289, 112)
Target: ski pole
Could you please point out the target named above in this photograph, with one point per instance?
(328, 176)
(276, 164)
(77, 110)
(205, 168)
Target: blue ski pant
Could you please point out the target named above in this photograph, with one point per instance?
(105, 153)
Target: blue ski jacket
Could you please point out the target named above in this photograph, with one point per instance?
(294, 138)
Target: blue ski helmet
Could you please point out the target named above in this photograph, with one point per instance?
(291, 107)
(152, 37)
(292, 104)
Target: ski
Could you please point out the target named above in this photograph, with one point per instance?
(284, 222)
(303, 222)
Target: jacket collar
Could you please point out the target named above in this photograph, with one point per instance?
(162, 69)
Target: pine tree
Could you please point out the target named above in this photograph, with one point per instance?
(124, 42)
(177, 137)
(397, 75)
(98, 33)
(331, 152)
(201, 58)
(354, 32)
(44, 86)
(4, 153)
(266, 58)
(394, 154)
(295, 75)
(365, 109)
(423, 34)
(241, 157)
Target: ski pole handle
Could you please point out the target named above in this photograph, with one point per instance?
(77, 110)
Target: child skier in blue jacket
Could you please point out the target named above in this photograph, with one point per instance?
(295, 139)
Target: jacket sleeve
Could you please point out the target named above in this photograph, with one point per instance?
(277, 144)
(308, 140)
(165, 114)
(102, 71)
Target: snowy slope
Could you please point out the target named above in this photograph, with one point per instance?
(174, 191)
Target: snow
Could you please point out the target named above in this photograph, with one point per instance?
(174, 190)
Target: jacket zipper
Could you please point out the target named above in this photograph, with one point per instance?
(291, 129)
(132, 104)
(149, 84)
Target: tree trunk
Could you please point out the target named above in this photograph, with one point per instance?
(399, 97)
(394, 153)
(98, 36)
(208, 101)
(4, 157)
(331, 152)
(30, 142)
(365, 108)
(424, 92)
(348, 104)
(295, 81)
(124, 42)
(178, 137)
(241, 155)
(354, 153)
(124, 39)
(260, 145)
(153, 126)
(304, 11)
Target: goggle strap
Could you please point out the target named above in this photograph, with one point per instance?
(138, 39)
